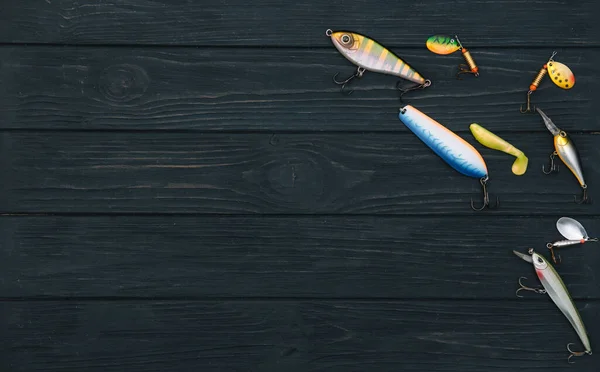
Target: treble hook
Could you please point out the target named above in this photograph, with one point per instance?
(584, 196)
(486, 197)
(358, 74)
(528, 109)
(550, 246)
(553, 166)
(464, 69)
(575, 353)
(415, 87)
(526, 288)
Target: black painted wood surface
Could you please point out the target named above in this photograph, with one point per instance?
(185, 189)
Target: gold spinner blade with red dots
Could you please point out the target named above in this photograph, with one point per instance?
(560, 74)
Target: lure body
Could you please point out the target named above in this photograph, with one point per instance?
(489, 139)
(561, 75)
(454, 150)
(556, 289)
(565, 149)
(372, 56)
(442, 44)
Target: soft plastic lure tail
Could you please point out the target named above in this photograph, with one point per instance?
(565, 149)
(560, 74)
(574, 233)
(454, 150)
(557, 290)
(443, 44)
(369, 55)
(489, 139)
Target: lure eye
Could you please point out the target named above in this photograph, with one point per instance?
(539, 259)
(345, 39)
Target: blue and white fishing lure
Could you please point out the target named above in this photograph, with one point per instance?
(454, 150)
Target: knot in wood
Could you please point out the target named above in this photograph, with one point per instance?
(123, 82)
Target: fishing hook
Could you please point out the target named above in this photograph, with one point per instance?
(575, 353)
(584, 196)
(528, 109)
(526, 288)
(550, 246)
(486, 197)
(464, 69)
(470, 67)
(418, 86)
(358, 74)
(553, 166)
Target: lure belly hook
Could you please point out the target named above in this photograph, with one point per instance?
(574, 233)
(454, 150)
(557, 290)
(369, 55)
(565, 149)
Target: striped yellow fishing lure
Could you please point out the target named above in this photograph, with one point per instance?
(369, 55)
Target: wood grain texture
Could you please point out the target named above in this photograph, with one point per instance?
(291, 257)
(110, 172)
(267, 23)
(292, 336)
(214, 89)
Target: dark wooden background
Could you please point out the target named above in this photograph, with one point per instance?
(185, 189)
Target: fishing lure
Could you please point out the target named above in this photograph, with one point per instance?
(442, 44)
(556, 289)
(560, 74)
(566, 151)
(573, 231)
(454, 150)
(369, 55)
(489, 139)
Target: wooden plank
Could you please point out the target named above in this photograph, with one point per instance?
(213, 22)
(108, 172)
(292, 336)
(259, 257)
(278, 89)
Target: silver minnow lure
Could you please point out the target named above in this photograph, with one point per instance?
(566, 151)
(556, 289)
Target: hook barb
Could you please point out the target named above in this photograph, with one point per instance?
(528, 102)
(464, 69)
(553, 167)
(550, 246)
(575, 353)
(486, 196)
(357, 74)
(523, 287)
(403, 91)
(584, 196)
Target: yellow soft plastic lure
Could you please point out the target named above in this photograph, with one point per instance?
(489, 139)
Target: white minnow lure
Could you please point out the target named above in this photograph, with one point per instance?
(566, 151)
(573, 231)
(454, 150)
(556, 289)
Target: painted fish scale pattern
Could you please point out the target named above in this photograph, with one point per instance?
(455, 160)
